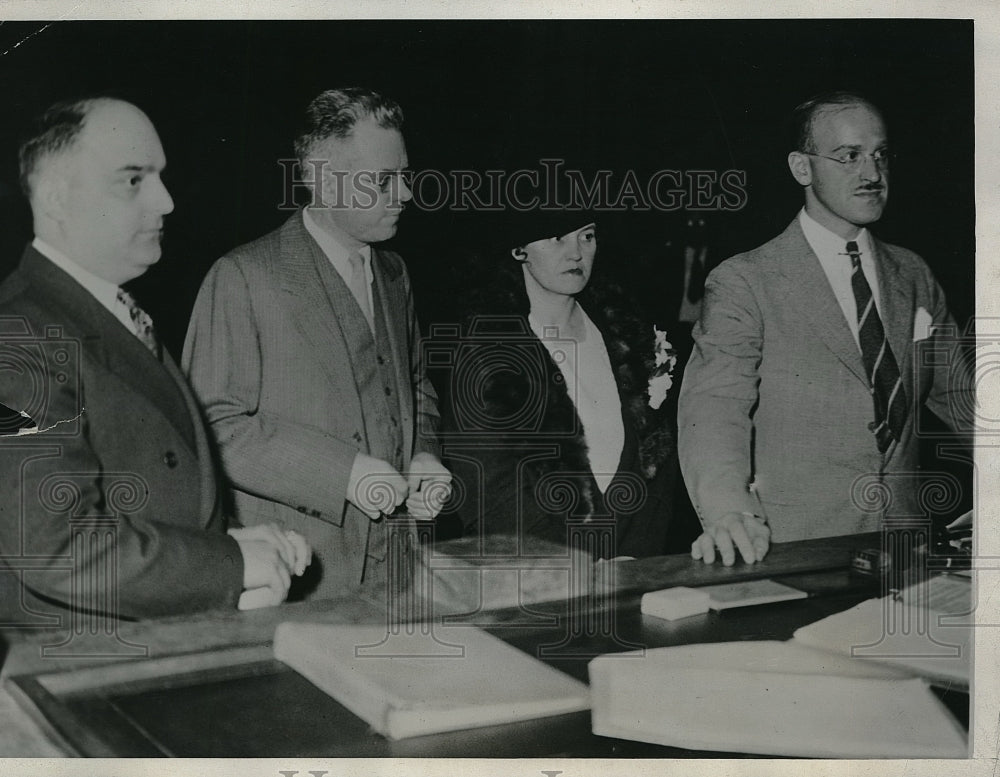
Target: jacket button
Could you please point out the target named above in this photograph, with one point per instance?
(170, 459)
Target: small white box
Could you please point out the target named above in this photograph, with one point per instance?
(675, 603)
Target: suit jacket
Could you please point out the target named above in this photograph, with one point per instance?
(518, 451)
(775, 394)
(121, 457)
(267, 357)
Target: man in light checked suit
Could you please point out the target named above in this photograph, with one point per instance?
(804, 378)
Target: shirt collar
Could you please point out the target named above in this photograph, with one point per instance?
(331, 247)
(826, 243)
(105, 292)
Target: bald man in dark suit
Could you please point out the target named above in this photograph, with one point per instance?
(110, 505)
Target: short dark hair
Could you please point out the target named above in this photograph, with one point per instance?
(804, 115)
(335, 112)
(52, 132)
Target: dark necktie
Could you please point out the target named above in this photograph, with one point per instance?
(696, 278)
(880, 363)
(142, 324)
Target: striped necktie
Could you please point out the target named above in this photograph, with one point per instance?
(142, 324)
(883, 373)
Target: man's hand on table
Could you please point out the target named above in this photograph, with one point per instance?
(733, 531)
(270, 557)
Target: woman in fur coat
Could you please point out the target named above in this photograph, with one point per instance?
(554, 428)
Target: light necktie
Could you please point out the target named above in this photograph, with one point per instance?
(142, 324)
(880, 364)
(358, 283)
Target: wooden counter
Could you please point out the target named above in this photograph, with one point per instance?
(206, 686)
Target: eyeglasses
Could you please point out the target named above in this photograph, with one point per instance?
(852, 159)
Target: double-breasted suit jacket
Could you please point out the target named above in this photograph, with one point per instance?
(112, 505)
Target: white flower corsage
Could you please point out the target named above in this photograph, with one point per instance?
(661, 379)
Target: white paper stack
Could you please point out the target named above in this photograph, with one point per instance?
(775, 698)
(920, 639)
(675, 603)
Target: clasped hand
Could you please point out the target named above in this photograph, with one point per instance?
(270, 557)
(375, 487)
(748, 533)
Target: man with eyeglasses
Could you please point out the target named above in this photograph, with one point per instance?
(305, 352)
(806, 380)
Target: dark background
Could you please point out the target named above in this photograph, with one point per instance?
(630, 95)
(639, 96)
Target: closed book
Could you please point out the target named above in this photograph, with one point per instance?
(410, 684)
(749, 593)
(770, 698)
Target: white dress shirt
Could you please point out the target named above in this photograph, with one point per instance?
(831, 250)
(591, 385)
(103, 291)
(339, 256)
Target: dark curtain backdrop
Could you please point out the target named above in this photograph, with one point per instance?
(631, 95)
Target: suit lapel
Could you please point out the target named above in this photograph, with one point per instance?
(895, 309)
(809, 291)
(307, 297)
(392, 296)
(110, 344)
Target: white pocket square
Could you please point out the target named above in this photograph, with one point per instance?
(922, 323)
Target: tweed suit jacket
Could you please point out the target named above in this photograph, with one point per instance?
(775, 405)
(267, 357)
(120, 449)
